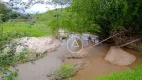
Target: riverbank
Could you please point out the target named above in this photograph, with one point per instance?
(92, 65)
(27, 50)
(39, 69)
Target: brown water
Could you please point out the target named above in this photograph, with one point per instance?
(96, 66)
(42, 67)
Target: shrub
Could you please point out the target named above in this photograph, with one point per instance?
(65, 71)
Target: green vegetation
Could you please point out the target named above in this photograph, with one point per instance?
(10, 58)
(11, 76)
(126, 75)
(16, 25)
(65, 71)
(7, 60)
(22, 23)
(70, 78)
(36, 30)
(21, 57)
(6, 14)
(45, 17)
(111, 15)
(102, 17)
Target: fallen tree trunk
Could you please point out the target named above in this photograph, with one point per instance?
(130, 42)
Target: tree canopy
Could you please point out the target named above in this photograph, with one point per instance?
(111, 14)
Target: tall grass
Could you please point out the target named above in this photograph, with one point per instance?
(11, 76)
(35, 30)
(126, 75)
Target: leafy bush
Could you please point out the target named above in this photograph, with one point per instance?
(65, 71)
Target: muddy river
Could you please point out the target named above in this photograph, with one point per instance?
(94, 64)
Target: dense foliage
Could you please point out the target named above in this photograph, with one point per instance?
(6, 13)
(111, 14)
(102, 17)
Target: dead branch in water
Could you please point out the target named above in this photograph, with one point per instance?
(109, 38)
(120, 39)
(130, 42)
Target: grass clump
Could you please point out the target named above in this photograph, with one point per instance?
(5, 61)
(11, 76)
(126, 75)
(65, 71)
(25, 56)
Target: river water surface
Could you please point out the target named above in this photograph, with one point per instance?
(94, 64)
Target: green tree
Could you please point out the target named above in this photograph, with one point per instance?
(111, 15)
(14, 15)
(7, 13)
(4, 11)
(3, 8)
